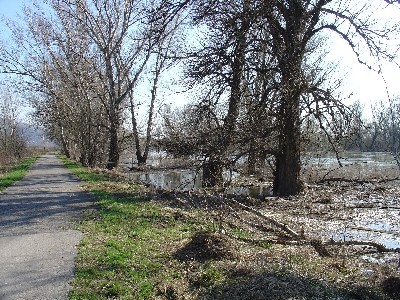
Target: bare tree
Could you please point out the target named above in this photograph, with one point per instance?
(220, 64)
(124, 43)
(68, 98)
(86, 57)
(294, 26)
(162, 60)
(12, 141)
(292, 30)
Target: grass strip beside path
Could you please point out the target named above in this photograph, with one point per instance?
(16, 173)
(126, 250)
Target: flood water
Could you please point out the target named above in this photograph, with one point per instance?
(390, 239)
(171, 180)
(377, 225)
(380, 159)
(183, 180)
(161, 176)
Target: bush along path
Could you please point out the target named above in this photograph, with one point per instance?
(148, 244)
(37, 237)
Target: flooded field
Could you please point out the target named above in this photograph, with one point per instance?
(170, 174)
(179, 179)
(344, 213)
(358, 211)
(378, 159)
(381, 226)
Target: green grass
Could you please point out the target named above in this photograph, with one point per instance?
(16, 173)
(83, 173)
(210, 276)
(126, 251)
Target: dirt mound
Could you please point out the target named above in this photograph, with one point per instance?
(208, 245)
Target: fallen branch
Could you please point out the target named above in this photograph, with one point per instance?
(372, 205)
(388, 180)
(389, 207)
(330, 171)
(378, 246)
(340, 179)
(271, 241)
(259, 227)
(375, 230)
(297, 239)
(318, 245)
(274, 222)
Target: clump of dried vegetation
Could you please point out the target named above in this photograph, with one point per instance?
(205, 246)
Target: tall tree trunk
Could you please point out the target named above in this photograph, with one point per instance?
(288, 163)
(140, 158)
(212, 172)
(252, 159)
(64, 143)
(213, 169)
(289, 46)
(287, 179)
(151, 113)
(113, 151)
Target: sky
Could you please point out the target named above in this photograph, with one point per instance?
(10, 8)
(365, 85)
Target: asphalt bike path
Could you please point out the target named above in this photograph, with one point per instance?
(37, 236)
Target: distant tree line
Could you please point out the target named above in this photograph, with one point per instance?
(256, 70)
(380, 133)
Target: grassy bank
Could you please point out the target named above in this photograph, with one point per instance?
(126, 251)
(143, 244)
(16, 172)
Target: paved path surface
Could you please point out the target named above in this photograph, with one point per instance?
(37, 239)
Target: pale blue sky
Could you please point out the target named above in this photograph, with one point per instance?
(10, 8)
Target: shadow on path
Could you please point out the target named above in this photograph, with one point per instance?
(37, 240)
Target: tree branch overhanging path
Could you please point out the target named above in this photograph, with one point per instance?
(37, 239)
